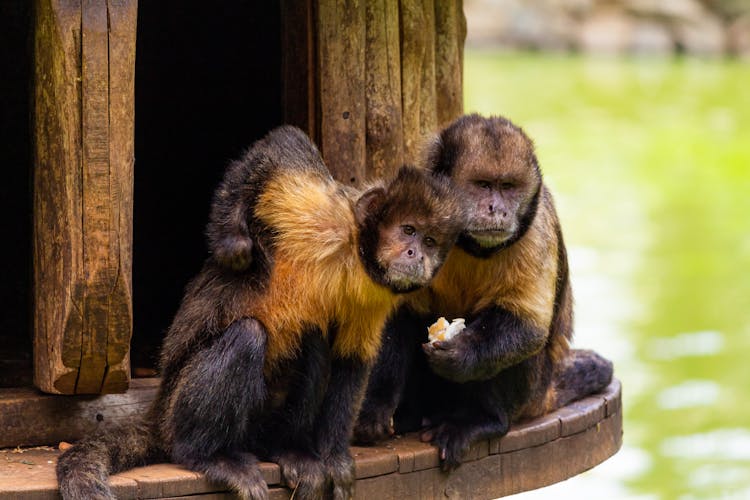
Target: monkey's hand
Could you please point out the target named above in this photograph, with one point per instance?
(373, 425)
(453, 436)
(452, 443)
(457, 359)
(234, 252)
(303, 473)
(340, 472)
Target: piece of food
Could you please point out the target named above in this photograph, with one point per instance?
(442, 330)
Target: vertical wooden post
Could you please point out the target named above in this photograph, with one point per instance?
(384, 128)
(341, 70)
(387, 75)
(450, 33)
(83, 194)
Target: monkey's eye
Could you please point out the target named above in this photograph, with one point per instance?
(430, 241)
(507, 185)
(408, 230)
(483, 184)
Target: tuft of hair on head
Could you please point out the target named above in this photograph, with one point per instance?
(432, 197)
(467, 132)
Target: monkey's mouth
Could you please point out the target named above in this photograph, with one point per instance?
(406, 278)
(489, 237)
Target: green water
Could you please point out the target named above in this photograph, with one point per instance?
(649, 160)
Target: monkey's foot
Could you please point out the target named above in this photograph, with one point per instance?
(340, 472)
(454, 436)
(303, 473)
(374, 425)
(240, 471)
(452, 442)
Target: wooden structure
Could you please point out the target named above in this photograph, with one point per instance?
(367, 79)
(170, 84)
(534, 454)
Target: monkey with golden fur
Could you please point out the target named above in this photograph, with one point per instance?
(268, 354)
(508, 277)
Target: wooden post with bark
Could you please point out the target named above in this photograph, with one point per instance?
(83, 194)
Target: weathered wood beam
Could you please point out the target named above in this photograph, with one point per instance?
(384, 128)
(341, 35)
(450, 34)
(83, 194)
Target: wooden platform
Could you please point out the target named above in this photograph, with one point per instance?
(535, 454)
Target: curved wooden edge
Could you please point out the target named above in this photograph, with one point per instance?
(537, 453)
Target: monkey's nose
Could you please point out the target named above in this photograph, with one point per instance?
(492, 209)
(410, 252)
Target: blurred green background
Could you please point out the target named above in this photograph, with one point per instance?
(649, 161)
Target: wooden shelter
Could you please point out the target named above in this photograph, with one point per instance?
(118, 120)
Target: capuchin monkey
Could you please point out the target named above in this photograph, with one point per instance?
(508, 277)
(268, 354)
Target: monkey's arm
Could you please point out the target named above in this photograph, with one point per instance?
(388, 378)
(495, 340)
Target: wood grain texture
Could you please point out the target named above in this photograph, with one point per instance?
(384, 139)
(450, 34)
(30, 418)
(417, 75)
(58, 256)
(83, 194)
(122, 37)
(403, 467)
(341, 35)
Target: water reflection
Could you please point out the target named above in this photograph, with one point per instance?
(649, 161)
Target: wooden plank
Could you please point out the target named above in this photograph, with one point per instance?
(298, 94)
(417, 75)
(428, 102)
(97, 245)
(83, 194)
(57, 260)
(450, 34)
(122, 31)
(385, 143)
(30, 418)
(538, 464)
(341, 76)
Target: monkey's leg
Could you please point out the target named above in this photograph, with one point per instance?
(493, 341)
(477, 410)
(388, 378)
(220, 394)
(291, 428)
(336, 419)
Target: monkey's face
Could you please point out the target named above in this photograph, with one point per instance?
(493, 163)
(495, 206)
(407, 228)
(409, 253)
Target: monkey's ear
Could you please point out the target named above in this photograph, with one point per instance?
(369, 202)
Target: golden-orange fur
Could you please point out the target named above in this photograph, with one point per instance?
(316, 260)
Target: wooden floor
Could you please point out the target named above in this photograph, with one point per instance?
(534, 454)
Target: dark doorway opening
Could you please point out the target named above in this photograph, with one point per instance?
(15, 194)
(208, 83)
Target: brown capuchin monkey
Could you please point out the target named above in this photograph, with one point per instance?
(268, 355)
(508, 277)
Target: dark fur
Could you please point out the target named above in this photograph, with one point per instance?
(504, 366)
(227, 398)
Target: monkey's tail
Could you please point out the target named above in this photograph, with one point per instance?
(583, 372)
(83, 470)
